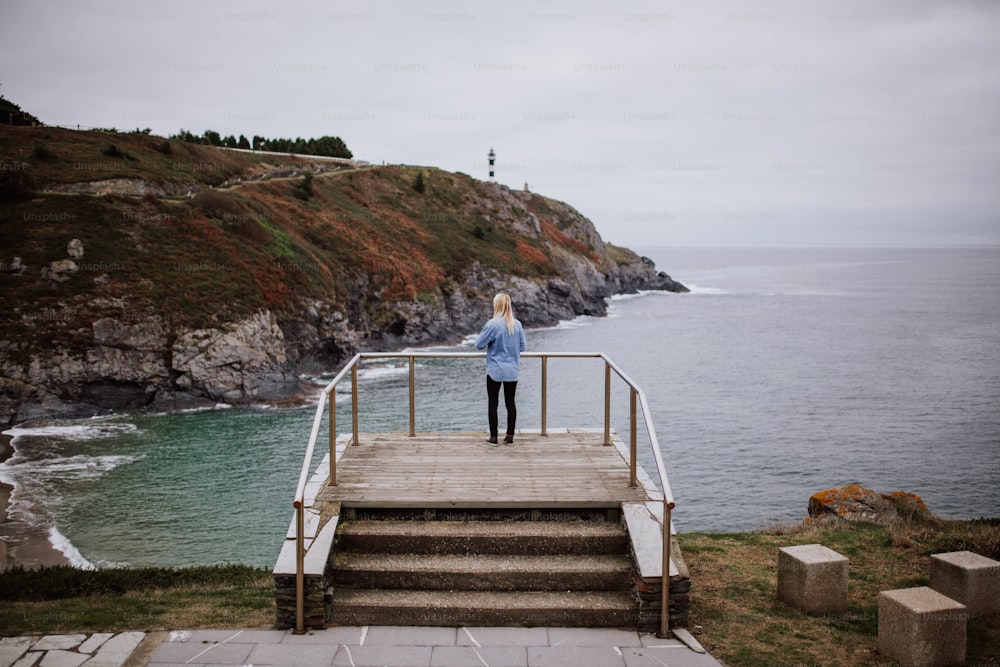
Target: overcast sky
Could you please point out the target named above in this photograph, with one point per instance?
(677, 123)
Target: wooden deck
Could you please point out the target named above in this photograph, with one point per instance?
(569, 468)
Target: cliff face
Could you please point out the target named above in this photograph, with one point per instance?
(153, 297)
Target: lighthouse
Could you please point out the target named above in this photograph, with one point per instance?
(492, 156)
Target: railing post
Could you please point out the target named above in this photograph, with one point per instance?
(607, 404)
(333, 436)
(300, 575)
(665, 597)
(412, 404)
(632, 438)
(354, 403)
(545, 393)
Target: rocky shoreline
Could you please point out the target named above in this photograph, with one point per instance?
(150, 364)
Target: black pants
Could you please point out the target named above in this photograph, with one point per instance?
(493, 392)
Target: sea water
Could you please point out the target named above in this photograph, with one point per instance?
(784, 372)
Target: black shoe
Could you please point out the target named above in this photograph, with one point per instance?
(509, 440)
(491, 441)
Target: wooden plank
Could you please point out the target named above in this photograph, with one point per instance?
(567, 468)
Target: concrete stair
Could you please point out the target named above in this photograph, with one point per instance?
(487, 573)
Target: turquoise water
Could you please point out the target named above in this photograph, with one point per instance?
(784, 372)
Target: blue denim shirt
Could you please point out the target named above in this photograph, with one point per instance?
(503, 349)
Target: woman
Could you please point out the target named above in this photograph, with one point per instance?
(503, 338)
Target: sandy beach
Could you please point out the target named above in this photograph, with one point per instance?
(21, 544)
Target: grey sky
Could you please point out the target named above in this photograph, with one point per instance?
(680, 123)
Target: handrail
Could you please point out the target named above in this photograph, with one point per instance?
(636, 395)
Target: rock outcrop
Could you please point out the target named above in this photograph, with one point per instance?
(236, 294)
(857, 503)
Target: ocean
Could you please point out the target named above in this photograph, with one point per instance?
(784, 372)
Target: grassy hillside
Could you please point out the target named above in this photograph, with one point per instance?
(740, 621)
(255, 240)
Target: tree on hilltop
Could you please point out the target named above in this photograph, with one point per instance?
(12, 114)
(325, 146)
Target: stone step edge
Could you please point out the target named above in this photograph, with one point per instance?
(473, 563)
(492, 600)
(479, 528)
(439, 608)
(482, 573)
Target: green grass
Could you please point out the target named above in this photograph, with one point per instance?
(64, 599)
(735, 613)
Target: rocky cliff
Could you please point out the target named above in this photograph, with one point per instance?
(221, 278)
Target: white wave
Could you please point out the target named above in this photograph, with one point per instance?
(317, 380)
(576, 323)
(76, 431)
(21, 509)
(711, 291)
(81, 466)
(469, 341)
(382, 372)
(67, 548)
(205, 408)
(635, 295)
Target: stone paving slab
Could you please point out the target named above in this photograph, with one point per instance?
(494, 656)
(359, 647)
(384, 656)
(348, 635)
(575, 656)
(63, 658)
(12, 648)
(95, 641)
(116, 650)
(492, 636)
(286, 654)
(100, 649)
(199, 653)
(672, 655)
(593, 637)
(445, 647)
(411, 636)
(55, 642)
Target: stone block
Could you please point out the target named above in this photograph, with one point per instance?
(920, 627)
(812, 577)
(968, 578)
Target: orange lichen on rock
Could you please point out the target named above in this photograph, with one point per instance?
(907, 502)
(857, 503)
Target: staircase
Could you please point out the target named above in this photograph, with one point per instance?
(555, 572)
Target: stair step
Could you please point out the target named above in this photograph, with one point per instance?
(603, 572)
(483, 608)
(483, 537)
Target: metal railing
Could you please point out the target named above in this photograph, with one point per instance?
(637, 398)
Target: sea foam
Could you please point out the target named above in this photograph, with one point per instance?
(62, 544)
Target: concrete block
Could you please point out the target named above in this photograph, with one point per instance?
(968, 578)
(920, 627)
(812, 577)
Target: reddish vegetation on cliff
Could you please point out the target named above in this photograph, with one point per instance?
(170, 243)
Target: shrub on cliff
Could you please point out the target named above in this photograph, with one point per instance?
(304, 190)
(16, 184)
(115, 152)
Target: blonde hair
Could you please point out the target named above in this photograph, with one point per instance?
(502, 308)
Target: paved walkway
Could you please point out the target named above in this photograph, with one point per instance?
(101, 649)
(359, 647)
